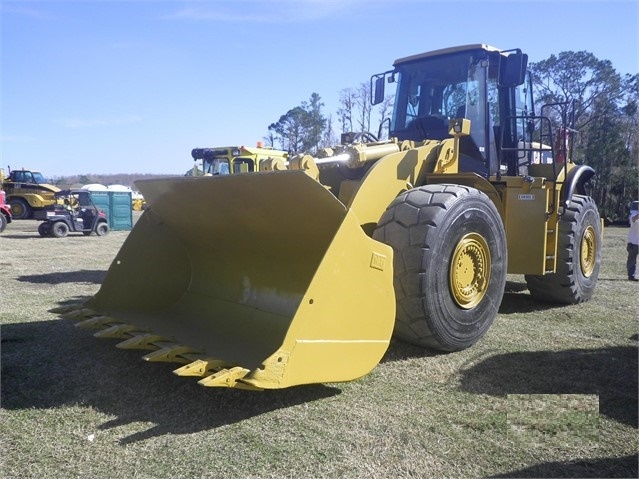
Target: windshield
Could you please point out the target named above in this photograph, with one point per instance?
(38, 178)
(431, 91)
(215, 166)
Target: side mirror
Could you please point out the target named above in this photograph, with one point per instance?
(377, 88)
(513, 71)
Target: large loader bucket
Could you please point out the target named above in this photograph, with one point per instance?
(257, 281)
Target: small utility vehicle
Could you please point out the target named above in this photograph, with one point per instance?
(73, 211)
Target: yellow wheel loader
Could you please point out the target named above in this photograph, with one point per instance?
(314, 262)
(225, 160)
(28, 193)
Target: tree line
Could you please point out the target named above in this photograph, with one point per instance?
(606, 122)
(124, 179)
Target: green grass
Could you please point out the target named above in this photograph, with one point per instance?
(549, 392)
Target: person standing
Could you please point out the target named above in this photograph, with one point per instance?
(633, 244)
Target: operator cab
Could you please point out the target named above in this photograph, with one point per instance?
(24, 176)
(223, 161)
(488, 86)
(215, 161)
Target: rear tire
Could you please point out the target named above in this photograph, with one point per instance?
(59, 229)
(578, 256)
(44, 229)
(20, 209)
(102, 229)
(3, 222)
(450, 259)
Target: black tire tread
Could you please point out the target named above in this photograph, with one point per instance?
(59, 229)
(568, 285)
(405, 226)
(26, 209)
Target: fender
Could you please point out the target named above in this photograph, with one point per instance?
(576, 180)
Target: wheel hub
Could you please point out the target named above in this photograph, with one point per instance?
(17, 210)
(470, 270)
(588, 249)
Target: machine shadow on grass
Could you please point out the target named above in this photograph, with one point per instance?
(49, 364)
(80, 276)
(516, 299)
(21, 236)
(596, 468)
(610, 373)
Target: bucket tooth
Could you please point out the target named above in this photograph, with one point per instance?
(246, 386)
(118, 331)
(142, 341)
(97, 322)
(170, 354)
(66, 309)
(201, 367)
(79, 314)
(225, 377)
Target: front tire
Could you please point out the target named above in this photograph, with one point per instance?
(3, 222)
(102, 229)
(20, 209)
(450, 260)
(59, 229)
(578, 256)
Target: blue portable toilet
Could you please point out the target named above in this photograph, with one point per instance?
(117, 205)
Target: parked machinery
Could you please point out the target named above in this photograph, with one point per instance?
(27, 192)
(224, 160)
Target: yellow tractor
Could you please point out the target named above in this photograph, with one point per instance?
(137, 201)
(28, 193)
(224, 160)
(302, 272)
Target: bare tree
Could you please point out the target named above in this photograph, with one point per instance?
(363, 104)
(329, 138)
(346, 110)
(269, 139)
(384, 110)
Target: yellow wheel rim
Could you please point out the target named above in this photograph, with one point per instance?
(470, 271)
(588, 249)
(17, 210)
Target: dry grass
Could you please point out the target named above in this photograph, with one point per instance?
(550, 392)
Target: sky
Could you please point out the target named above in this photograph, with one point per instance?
(116, 86)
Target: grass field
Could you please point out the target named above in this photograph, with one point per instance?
(549, 392)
